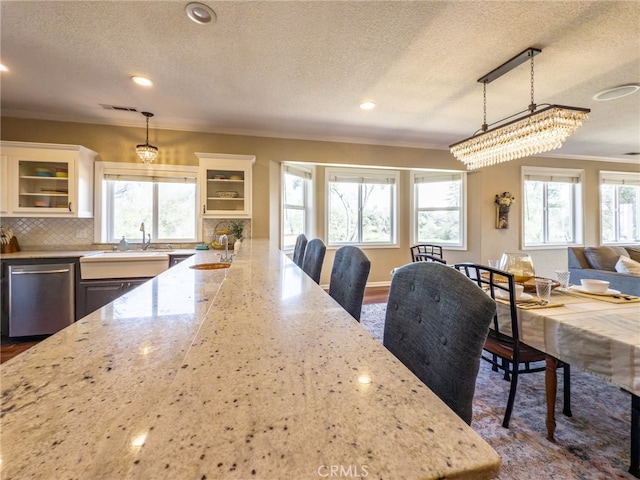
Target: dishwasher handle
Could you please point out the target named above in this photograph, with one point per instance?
(38, 272)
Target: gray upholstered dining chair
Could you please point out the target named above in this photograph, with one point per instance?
(349, 276)
(436, 324)
(313, 258)
(298, 251)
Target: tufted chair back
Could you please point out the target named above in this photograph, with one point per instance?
(313, 258)
(436, 324)
(349, 276)
(298, 251)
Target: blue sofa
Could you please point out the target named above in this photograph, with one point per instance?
(599, 263)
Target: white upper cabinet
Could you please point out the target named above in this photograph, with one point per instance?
(46, 180)
(225, 183)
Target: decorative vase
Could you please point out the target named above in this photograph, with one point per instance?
(237, 245)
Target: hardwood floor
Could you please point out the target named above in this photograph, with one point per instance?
(376, 295)
(11, 347)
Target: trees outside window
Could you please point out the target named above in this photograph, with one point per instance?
(439, 208)
(619, 207)
(296, 202)
(361, 206)
(552, 206)
(163, 197)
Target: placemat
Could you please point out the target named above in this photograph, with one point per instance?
(622, 298)
(531, 305)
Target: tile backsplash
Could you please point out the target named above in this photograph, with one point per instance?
(73, 233)
(51, 233)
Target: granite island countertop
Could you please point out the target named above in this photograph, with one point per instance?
(247, 372)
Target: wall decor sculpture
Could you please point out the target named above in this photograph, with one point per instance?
(503, 202)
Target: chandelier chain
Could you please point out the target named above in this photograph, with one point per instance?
(484, 106)
(532, 106)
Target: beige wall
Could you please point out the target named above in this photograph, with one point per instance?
(116, 144)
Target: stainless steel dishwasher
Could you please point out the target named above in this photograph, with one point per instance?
(41, 298)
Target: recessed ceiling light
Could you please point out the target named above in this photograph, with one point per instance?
(618, 92)
(3, 68)
(367, 106)
(144, 81)
(200, 13)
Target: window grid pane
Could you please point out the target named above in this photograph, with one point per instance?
(361, 207)
(293, 225)
(550, 207)
(168, 210)
(620, 213)
(438, 211)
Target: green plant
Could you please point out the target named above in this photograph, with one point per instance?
(237, 229)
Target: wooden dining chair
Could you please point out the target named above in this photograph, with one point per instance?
(298, 251)
(349, 275)
(432, 251)
(436, 324)
(313, 258)
(506, 351)
(425, 257)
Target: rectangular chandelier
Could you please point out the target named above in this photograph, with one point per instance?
(541, 131)
(537, 132)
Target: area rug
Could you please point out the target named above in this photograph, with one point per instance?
(593, 444)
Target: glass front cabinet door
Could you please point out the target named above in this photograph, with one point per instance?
(48, 180)
(225, 185)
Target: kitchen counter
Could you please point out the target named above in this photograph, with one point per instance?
(36, 254)
(247, 372)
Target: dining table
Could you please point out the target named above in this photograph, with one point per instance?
(598, 334)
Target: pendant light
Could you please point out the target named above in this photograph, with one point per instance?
(146, 152)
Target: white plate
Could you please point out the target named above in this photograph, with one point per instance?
(525, 297)
(610, 292)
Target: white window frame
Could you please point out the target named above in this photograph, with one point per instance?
(574, 176)
(307, 172)
(617, 179)
(417, 177)
(361, 175)
(103, 202)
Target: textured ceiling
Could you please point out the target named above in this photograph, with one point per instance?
(300, 69)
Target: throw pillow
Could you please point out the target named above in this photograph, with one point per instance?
(604, 258)
(627, 265)
(634, 252)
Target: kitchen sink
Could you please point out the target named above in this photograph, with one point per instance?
(210, 266)
(130, 264)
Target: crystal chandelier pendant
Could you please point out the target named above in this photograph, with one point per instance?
(147, 153)
(537, 132)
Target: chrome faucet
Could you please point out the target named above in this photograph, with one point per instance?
(148, 242)
(224, 238)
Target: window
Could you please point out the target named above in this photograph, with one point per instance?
(619, 207)
(296, 202)
(439, 208)
(163, 197)
(552, 206)
(361, 206)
